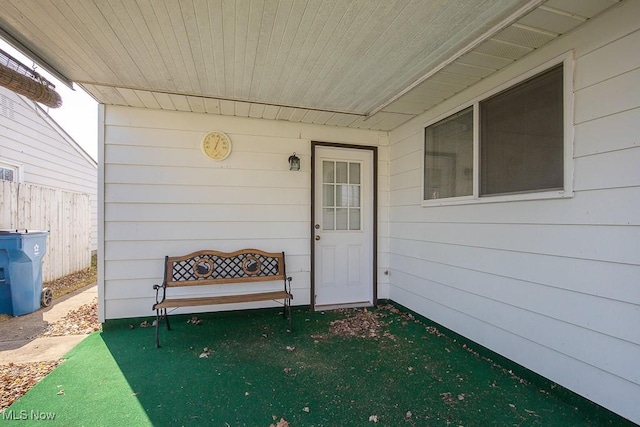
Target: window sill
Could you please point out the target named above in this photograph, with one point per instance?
(473, 200)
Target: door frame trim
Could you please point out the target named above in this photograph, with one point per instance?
(374, 248)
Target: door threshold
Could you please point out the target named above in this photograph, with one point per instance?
(328, 307)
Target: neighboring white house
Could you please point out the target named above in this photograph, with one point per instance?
(410, 186)
(45, 166)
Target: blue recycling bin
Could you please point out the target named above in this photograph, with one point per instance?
(21, 253)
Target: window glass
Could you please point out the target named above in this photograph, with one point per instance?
(342, 172)
(7, 174)
(449, 157)
(328, 219)
(354, 173)
(354, 219)
(521, 137)
(341, 196)
(341, 219)
(520, 143)
(327, 172)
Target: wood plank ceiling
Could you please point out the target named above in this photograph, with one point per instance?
(370, 64)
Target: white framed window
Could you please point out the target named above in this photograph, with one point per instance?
(10, 172)
(514, 143)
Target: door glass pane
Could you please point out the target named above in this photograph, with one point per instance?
(354, 196)
(328, 216)
(354, 219)
(341, 219)
(354, 173)
(327, 195)
(327, 171)
(342, 172)
(342, 195)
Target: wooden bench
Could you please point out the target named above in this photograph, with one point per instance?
(216, 268)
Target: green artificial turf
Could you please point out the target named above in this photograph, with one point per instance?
(410, 374)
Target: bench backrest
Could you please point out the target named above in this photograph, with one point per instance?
(215, 268)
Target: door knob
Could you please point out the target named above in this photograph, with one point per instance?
(317, 237)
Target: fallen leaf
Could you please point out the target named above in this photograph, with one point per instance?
(408, 414)
(287, 370)
(61, 392)
(194, 320)
(373, 418)
(461, 396)
(290, 348)
(306, 409)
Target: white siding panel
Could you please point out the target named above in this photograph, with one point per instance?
(169, 194)
(609, 170)
(550, 284)
(162, 196)
(603, 64)
(202, 230)
(609, 133)
(165, 175)
(547, 301)
(606, 243)
(158, 249)
(612, 96)
(586, 208)
(581, 276)
(204, 212)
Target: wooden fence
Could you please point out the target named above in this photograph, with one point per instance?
(67, 217)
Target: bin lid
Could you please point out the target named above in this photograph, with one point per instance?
(7, 232)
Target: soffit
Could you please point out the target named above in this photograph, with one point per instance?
(364, 64)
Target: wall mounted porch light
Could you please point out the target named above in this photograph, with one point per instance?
(294, 162)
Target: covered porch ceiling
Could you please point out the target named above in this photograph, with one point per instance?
(370, 64)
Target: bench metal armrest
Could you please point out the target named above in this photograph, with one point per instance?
(287, 284)
(164, 293)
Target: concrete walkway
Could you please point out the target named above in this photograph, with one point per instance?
(17, 335)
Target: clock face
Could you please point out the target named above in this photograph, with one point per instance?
(216, 145)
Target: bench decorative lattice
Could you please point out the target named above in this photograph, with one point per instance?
(216, 268)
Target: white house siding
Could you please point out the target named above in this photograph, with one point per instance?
(552, 284)
(162, 196)
(47, 155)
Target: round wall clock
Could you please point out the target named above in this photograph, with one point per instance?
(216, 145)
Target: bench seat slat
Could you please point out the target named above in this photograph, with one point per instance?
(223, 299)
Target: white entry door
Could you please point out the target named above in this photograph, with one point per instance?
(343, 227)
